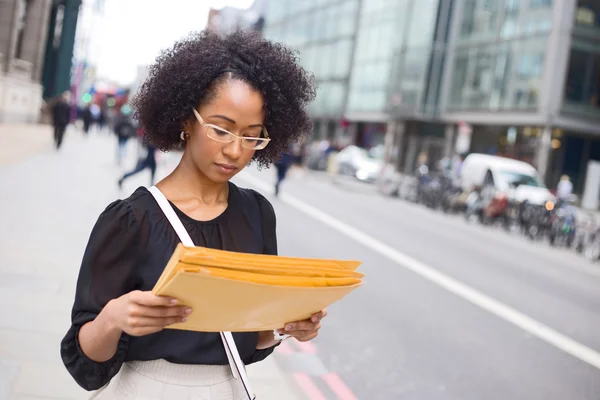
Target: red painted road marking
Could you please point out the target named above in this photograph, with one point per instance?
(306, 347)
(338, 387)
(285, 348)
(307, 385)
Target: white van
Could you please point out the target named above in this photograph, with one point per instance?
(517, 180)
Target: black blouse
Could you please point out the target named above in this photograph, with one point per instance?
(128, 250)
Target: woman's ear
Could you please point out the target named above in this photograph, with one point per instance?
(187, 127)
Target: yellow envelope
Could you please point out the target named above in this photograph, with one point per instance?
(241, 292)
(272, 270)
(197, 254)
(221, 304)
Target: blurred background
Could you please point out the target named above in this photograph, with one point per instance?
(455, 151)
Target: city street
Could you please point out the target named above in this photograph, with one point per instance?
(448, 310)
(403, 337)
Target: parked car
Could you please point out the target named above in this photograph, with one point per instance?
(511, 178)
(504, 182)
(359, 163)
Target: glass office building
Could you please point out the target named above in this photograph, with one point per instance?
(365, 56)
(323, 32)
(523, 75)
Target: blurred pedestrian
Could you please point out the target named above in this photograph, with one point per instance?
(101, 118)
(124, 129)
(61, 115)
(564, 189)
(282, 166)
(148, 162)
(214, 96)
(87, 118)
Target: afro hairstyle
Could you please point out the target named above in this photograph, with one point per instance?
(193, 69)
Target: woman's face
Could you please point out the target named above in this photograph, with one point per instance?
(237, 108)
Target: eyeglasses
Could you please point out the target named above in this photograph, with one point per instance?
(224, 136)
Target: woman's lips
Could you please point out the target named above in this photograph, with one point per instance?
(226, 168)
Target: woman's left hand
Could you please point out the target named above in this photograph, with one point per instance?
(306, 330)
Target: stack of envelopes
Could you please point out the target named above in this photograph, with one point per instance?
(241, 292)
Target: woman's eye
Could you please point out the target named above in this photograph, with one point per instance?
(253, 134)
(251, 141)
(219, 132)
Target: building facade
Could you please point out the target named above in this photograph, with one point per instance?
(23, 30)
(525, 75)
(228, 19)
(519, 78)
(325, 34)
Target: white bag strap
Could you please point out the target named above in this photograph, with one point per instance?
(235, 362)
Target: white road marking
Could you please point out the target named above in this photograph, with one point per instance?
(468, 293)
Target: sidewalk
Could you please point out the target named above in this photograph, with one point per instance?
(18, 141)
(50, 202)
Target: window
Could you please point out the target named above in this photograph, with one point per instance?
(480, 19)
(345, 25)
(588, 13)
(468, 22)
(504, 76)
(540, 3)
(24, 6)
(583, 79)
(331, 21)
(512, 6)
(276, 11)
(422, 23)
(335, 98)
(530, 66)
(525, 98)
(516, 179)
(342, 61)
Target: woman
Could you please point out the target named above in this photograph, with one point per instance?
(227, 101)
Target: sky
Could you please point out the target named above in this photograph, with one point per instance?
(151, 26)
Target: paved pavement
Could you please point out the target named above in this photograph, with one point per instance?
(50, 201)
(18, 141)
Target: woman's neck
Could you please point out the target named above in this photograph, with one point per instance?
(188, 181)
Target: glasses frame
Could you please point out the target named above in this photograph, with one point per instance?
(262, 141)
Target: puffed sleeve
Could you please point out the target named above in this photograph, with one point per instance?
(269, 225)
(108, 270)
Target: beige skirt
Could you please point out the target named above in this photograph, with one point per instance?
(160, 379)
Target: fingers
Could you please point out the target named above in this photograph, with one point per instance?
(301, 326)
(307, 338)
(318, 316)
(304, 335)
(159, 312)
(151, 300)
(148, 313)
(302, 331)
(305, 330)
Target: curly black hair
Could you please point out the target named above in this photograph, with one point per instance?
(192, 70)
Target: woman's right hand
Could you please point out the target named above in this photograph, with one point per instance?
(140, 313)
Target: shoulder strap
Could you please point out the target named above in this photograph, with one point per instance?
(235, 362)
(166, 208)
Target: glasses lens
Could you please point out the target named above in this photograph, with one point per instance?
(254, 143)
(218, 134)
